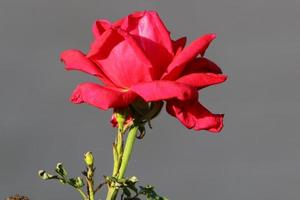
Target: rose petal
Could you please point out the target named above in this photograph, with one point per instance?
(76, 60)
(201, 80)
(194, 116)
(101, 97)
(152, 36)
(100, 26)
(148, 25)
(113, 121)
(178, 45)
(177, 65)
(120, 58)
(161, 90)
(201, 65)
(102, 45)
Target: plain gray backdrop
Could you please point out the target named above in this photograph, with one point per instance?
(257, 155)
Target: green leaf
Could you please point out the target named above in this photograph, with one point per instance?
(126, 192)
(133, 188)
(150, 194)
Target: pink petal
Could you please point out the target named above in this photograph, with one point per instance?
(198, 46)
(201, 65)
(201, 80)
(161, 90)
(194, 116)
(120, 58)
(101, 97)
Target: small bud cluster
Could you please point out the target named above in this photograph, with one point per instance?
(61, 176)
(17, 197)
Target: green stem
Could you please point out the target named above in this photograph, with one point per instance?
(118, 151)
(127, 150)
(91, 192)
(90, 182)
(124, 159)
(112, 193)
(82, 194)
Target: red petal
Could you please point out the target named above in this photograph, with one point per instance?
(152, 36)
(120, 58)
(100, 26)
(201, 65)
(101, 97)
(76, 60)
(199, 46)
(147, 25)
(113, 120)
(194, 116)
(161, 90)
(178, 45)
(200, 80)
(102, 45)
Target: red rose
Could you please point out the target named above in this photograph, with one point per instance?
(136, 58)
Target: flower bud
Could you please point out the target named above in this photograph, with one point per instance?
(61, 170)
(46, 176)
(89, 158)
(76, 182)
(120, 118)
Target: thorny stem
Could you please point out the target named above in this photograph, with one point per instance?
(121, 158)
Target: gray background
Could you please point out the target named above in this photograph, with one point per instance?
(255, 157)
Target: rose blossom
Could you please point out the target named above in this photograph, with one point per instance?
(135, 58)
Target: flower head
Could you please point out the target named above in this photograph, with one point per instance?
(136, 60)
